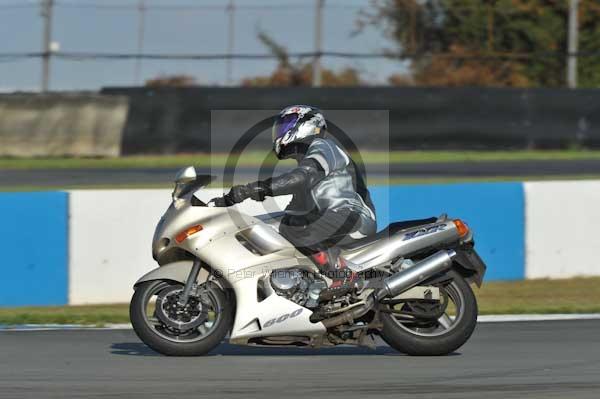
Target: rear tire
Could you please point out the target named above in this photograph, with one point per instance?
(444, 343)
(156, 340)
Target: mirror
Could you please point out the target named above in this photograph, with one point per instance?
(187, 180)
(186, 175)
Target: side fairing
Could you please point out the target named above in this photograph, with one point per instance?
(402, 243)
(242, 250)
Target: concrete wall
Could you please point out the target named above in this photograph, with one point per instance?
(562, 237)
(111, 234)
(90, 246)
(61, 124)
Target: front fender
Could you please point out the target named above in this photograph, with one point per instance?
(176, 271)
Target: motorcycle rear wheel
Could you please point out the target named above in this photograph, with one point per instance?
(440, 337)
(211, 325)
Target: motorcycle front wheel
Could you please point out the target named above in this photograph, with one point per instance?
(433, 337)
(174, 330)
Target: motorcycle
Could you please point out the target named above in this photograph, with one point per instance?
(224, 272)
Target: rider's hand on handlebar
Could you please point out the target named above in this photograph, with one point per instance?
(238, 194)
(218, 202)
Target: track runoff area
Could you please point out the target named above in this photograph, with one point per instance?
(520, 356)
(532, 359)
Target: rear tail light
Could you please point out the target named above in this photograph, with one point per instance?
(461, 227)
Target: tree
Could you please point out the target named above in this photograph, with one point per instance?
(298, 73)
(488, 42)
(171, 81)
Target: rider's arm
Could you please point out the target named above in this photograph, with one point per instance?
(297, 180)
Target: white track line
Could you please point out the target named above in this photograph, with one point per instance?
(502, 318)
(54, 327)
(537, 317)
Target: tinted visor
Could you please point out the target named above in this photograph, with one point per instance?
(283, 125)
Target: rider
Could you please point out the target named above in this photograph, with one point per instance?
(330, 205)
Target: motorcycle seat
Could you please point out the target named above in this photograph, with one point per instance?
(391, 229)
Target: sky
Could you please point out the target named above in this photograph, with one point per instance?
(97, 26)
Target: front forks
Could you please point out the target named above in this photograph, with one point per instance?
(190, 282)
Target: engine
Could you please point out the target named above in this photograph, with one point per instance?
(298, 286)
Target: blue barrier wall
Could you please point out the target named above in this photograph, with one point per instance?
(34, 240)
(34, 232)
(495, 212)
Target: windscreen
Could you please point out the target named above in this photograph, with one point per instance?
(182, 189)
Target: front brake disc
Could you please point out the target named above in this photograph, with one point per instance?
(181, 318)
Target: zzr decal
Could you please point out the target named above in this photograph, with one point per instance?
(283, 318)
(424, 232)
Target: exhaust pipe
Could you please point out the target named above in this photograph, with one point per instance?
(406, 279)
(351, 315)
(397, 284)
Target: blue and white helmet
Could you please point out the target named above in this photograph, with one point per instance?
(296, 124)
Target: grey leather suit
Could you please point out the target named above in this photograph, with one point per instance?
(330, 204)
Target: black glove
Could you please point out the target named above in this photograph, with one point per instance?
(237, 194)
(220, 202)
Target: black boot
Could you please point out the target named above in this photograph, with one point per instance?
(332, 265)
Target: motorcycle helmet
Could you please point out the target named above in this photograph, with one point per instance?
(295, 126)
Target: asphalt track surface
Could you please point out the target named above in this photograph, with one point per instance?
(552, 359)
(157, 176)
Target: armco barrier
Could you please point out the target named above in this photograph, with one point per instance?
(33, 233)
(531, 230)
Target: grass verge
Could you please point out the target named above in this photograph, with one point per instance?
(256, 158)
(88, 314)
(579, 295)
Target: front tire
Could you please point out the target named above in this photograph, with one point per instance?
(201, 336)
(441, 338)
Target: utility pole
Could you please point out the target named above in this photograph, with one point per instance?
(413, 27)
(47, 6)
(140, 40)
(490, 27)
(573, 40)
(316, 78)
(230, 43)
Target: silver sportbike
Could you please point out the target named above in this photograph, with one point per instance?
(223, 273)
